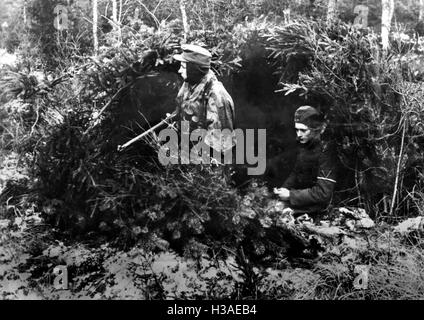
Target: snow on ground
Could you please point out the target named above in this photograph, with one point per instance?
(7, 58)
(9, 169)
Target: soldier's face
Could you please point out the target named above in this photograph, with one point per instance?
(183, 70)
(304, 133)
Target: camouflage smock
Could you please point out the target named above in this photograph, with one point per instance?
(207, 105)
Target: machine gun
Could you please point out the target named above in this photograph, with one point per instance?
(152, 129)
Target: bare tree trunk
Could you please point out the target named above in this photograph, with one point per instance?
(119, 20)
(388, 8)
(116, 20)
(286, 13)
(331, 11)
(421, 14)
(184, 17)
(25, 14)
(120, 10)
(115, 11)
(95, 22)
(395, 188)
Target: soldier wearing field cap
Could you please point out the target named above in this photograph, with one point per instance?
(202, 100)
(309, 187)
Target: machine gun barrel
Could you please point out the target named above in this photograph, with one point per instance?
(164, 121)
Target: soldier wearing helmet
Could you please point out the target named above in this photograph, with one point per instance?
(202, 100)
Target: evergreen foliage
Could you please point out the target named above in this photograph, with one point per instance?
(67, 121)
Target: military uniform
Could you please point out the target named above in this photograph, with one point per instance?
(206, 105)
(203, 100)
(312, 181)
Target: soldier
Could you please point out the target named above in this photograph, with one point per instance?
(202, 100)
(309, 187)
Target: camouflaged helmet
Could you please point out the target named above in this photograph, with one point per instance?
(194, 54)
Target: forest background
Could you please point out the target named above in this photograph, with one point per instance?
(90, 75)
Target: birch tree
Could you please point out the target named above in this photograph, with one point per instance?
(331, 11)
(95, 23)
(25, 13)
(116, 21)
(114, 12)
(421, 12)
(286, 13)
(388, 8)
(184, 18)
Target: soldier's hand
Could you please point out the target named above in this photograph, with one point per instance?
(283, 193)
